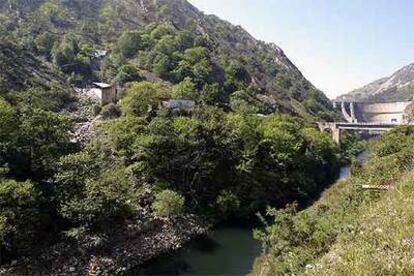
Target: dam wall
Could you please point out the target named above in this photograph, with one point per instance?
(383, 112)
(375, 112)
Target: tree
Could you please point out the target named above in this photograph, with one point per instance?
(45, 43)
(4, 22)
(182, 70)
(211, 94)
(53, 99)
(185, 90)
(237, 77)
(195, 55)
(141, 96)
(162, 30)
(168, 204)
(228, 202)
(130, 43)
(74, 57)
(51, 11)
(202, 72)
(20, 216)
(8, 117)
(43, 138)
(93, 187)
(128, 73)
(166, 45)
(123, 132)
(162, 65)
(243, 102)
(184, 40)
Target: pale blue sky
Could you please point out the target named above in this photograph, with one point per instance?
(339, 45)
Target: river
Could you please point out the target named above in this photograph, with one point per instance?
(228, 250)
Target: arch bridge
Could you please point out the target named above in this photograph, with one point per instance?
(336, 128)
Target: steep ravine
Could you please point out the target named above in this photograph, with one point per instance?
(227, 250)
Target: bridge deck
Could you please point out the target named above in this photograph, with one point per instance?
(345, 125)
(337, 127)
(368, 126)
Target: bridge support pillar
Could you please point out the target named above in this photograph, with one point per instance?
(334, 129)
(337, 135)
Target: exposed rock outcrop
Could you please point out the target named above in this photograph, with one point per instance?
(398, 87)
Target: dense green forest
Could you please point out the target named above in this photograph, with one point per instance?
(250, 141)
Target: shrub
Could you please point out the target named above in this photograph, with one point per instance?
(96, 109)
(7, 123)
(43, 137)
(93, 187)
(19, 215)
(228, 202)
(128, 73)
(168, 204)
(111, 111)
(139, 96)
(129, 43)
(185, 90)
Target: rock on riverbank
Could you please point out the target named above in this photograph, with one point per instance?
(126, 247)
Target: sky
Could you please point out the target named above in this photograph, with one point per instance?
(339, 45)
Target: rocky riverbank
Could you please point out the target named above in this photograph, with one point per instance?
(118, 251)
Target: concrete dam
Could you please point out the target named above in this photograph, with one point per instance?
(355, 112)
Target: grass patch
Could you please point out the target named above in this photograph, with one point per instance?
(350, 231)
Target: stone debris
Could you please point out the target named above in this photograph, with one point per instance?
(85, 117)
(130, 246)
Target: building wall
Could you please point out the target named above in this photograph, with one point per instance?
(109, 95)
(179, 104)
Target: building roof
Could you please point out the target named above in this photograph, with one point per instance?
(102, 84)
(100, 53)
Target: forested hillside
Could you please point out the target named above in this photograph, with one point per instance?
(150, 177)
(172, 40)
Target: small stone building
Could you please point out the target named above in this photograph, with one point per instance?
(106, 93)
(176, 105)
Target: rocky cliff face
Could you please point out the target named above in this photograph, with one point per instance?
(398, 87)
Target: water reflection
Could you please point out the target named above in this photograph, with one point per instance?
(346, 171)
(227, 251)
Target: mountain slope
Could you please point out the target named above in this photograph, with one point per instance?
(398, 87)
(19, 68)
(70, 31)
(107, 188)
